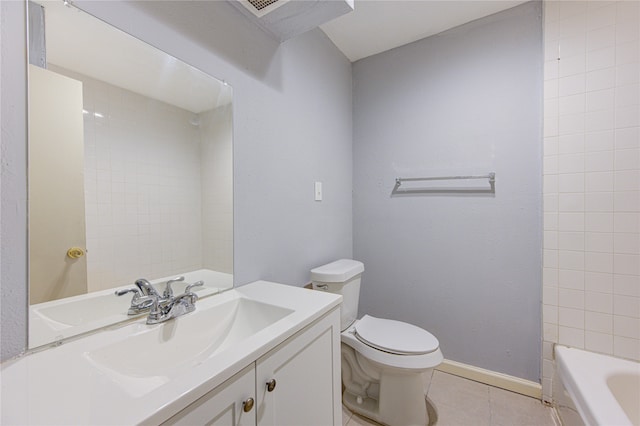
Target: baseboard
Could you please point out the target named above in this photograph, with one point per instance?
(492, 378)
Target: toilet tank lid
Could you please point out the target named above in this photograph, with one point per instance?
(336, 272)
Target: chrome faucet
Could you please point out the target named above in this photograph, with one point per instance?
(168, 291)
(143, 294)
(184, 303)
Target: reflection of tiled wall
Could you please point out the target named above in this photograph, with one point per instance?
(591, 280)
(217, 189)
(142, 187)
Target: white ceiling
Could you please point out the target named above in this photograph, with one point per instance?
(79, 42)
(378, 25)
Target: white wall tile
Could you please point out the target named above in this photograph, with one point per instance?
(550, 240)
(571, 144)
(568, 259)
(598, 342)
(550, 314)
(596, 321)
(595, 161)
(627, 96)
(595, 80)
(600, 100)
(598, 302)
(551, 221)
(627, 159)
(571, 279)
(572, 104)
(599, 242)
(551, 66)
(573, 337)
(571, 202)
(601, 38)
(626, 29)
(626, 180)
(571, 9)
(550, 332)
(599, 182)
(626, 222)
(598, 161)
(600, 120)
(626, 327)
(550, 147)
(601, 17)
(550, 278)
(571, 222)
(627, 116)
(601, 58)
(550, 165)
(599, 201)
(626, 201)
(598, 262)
(626, 264)
(570, 65)
(569, 298)
(570, 240)
(599, 222)
(600, 141)
(569, 317)
(625, 347)
(627, 74)
(550, 203)
(626, 285)
(550, 258)
(575, 84)
(627, 52)
(571, 182)
(600, 282)
(628, 306)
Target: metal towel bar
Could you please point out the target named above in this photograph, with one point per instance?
(491, 176)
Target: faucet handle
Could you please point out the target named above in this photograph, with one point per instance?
(190, 286)
(168, 291)
(128, 290)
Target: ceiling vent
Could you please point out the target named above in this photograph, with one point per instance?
(284, 19)
(261, 7)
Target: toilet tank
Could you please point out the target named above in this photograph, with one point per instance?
(341, 277)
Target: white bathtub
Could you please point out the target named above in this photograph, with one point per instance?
(602, 389)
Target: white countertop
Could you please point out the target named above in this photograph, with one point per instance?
(62, 386)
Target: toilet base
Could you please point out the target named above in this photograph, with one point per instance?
(389, 396)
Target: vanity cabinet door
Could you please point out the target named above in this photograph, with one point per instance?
(224, 405)
(298, 382)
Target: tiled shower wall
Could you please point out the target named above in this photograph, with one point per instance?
(217, 189)
(591, 278)
(148, 165)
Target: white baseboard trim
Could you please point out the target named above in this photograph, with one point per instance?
(492, 378)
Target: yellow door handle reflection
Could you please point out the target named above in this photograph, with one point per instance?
(75, 252)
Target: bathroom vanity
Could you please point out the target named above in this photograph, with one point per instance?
(260, 354)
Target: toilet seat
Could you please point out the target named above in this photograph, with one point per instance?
(395, 337)
(385, 359)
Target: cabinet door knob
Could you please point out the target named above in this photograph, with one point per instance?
(247, 405)
(271, 385)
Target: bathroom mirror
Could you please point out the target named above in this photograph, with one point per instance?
(130, 172)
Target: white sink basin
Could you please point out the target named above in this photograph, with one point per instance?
(163, 351)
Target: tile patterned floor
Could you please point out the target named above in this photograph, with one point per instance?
(462, 402)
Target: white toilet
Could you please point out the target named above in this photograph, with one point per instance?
(383, 361)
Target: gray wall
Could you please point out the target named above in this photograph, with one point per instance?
(467, 267)
(292, 126)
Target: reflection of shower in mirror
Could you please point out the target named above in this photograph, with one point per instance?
(149, 155)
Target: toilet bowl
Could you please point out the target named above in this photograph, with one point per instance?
(383, 361)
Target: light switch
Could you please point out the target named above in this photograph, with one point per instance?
(318, 191)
